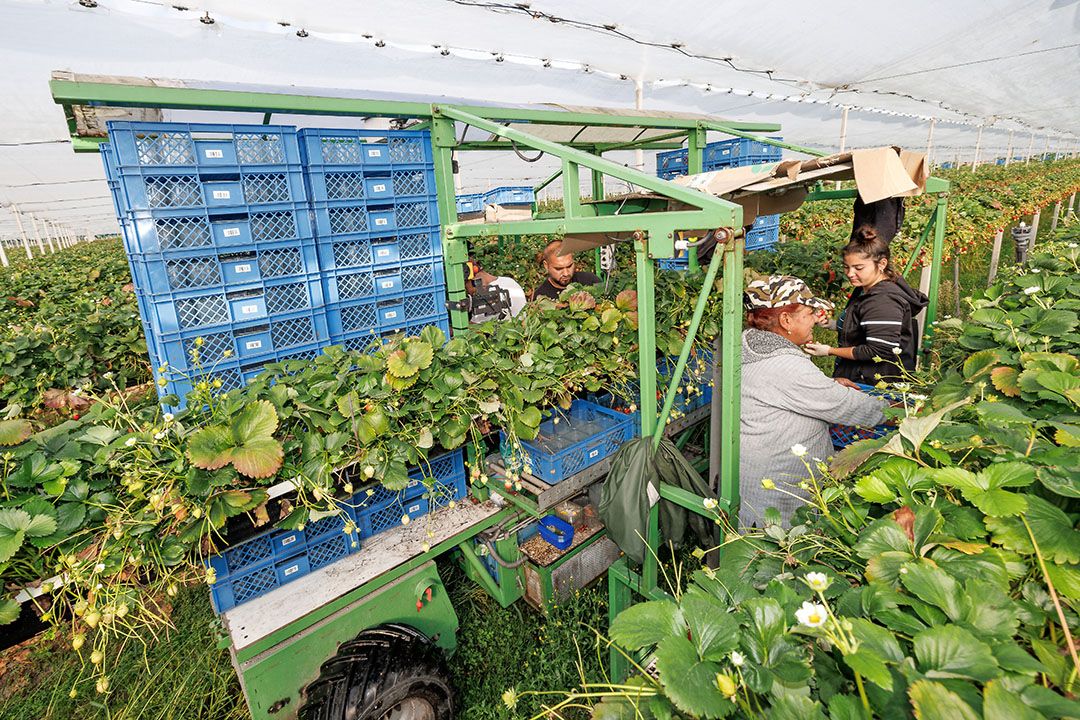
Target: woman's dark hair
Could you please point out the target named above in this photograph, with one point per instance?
(769, 318)
(866, 241)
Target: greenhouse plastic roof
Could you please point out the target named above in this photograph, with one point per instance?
(1004, 65)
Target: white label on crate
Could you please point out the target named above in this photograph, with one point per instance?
(386, 284)
(248, 309)
(382, 252)
(288, 541)
(215, 154)
(381, 221)
(253, 344)
(390, 315)
(292, 569)
(414, 508)
(378, 187)
(594, 453)
(222, 194)
(231, 232)
(374, 152)
(245, 268)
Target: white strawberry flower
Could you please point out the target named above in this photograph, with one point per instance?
(709, 503)
(798, 450)
(812, 614)
(818, 581)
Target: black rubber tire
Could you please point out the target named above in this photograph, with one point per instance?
(385, 669)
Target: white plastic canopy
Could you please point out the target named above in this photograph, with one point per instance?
(991, 73)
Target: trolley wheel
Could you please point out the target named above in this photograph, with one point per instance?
(389, 672)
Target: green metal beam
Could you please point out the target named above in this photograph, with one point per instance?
(688, 500)
(455, 253)
(847, 194)
(730, 129)
(731, 371)
(493, 145)
(922, 241)
(76, 92)
(935, 263)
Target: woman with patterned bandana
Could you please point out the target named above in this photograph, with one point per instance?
(787, 401)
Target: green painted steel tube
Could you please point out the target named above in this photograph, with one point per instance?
(597, 194)
(646, 288)
(684, 354)
(935, 264)
(80, 92)
(815, 195)
(731, 372)
(455, 252)
(922, 241)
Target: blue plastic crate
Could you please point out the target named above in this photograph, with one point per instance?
(375, 521)
(586, 434)
(447, 471)
(207, 147)
(763, 239)
(227, 268)
(233, 373)
(349, 218)
(672, 163)
(556, 532)
(370, 316)
(235, 589)
(169, 192)
(247, 342)
(470, 203)
(151, 233)
(321, 147)
(373, 184)
(736, 152)
(360, 252)
(516, 195)
(176, 312)
(844, 435)
(384, 282)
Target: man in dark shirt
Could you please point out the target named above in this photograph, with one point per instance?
(560, 273)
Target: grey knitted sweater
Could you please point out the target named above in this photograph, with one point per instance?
(788, 401)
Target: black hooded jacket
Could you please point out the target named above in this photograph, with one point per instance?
(876, 322)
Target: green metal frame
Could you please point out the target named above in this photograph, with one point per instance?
(652, 233)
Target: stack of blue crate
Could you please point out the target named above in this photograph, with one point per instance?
(376, 232)
(275, 557)
(737, 152)
(510, 196)
(219, 240)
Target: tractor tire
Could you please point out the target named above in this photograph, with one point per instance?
(390, 672)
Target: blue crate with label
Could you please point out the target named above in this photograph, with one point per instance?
(569, 441)
(227, 268)
(672, 163)
(251, 341)
(517, 195)
(370, 316)
(362, 252)
(445, 474)
(173, 193)
(736, 152)
(694, 390)
(202, 146)
(232, 590)
(470, 203)
(844, 435)
(320, 147)
(337, 218)
(374, 521)
(371, 184)
(383, 282)
(223, 376)
(149, 233)
(171, 313)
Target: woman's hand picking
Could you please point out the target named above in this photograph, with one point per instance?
(816, 349)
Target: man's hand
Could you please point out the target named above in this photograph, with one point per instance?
(847, 383)
(816, 349)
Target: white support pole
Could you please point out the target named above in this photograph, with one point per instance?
(995, 257)
(978, 147)
(930, 144)
(1046, 147)
(1031, 144)
(1072, 199)
(843, 134)
(37, 236)
(1008, 153)
(22, 231)
(1034, 230)
(1054, 219)
(3, 256)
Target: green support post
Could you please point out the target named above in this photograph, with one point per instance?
(597, 194)
(619, 598)
(455, 252)
(695, 157)
(922, 241)
(935, 263)
(731, 371)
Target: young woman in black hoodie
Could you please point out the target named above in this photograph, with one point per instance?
(878, 337)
